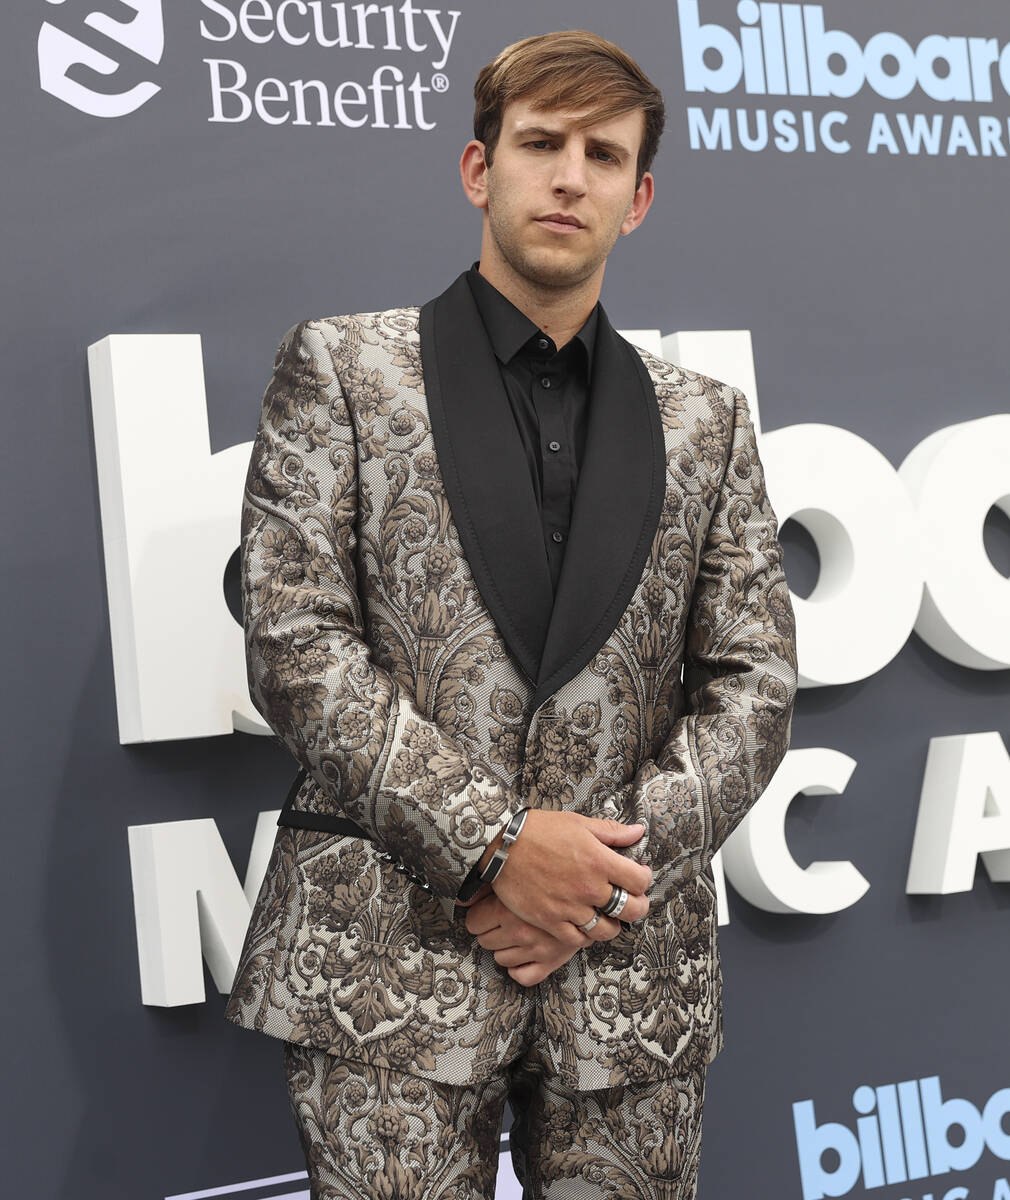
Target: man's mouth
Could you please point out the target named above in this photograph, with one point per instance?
(560, 223)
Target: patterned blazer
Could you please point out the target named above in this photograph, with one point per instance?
(427, 688)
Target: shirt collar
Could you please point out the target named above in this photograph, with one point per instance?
(509, 330)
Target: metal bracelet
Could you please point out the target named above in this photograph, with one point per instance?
(512, 831)
(493, 868)
(513, 828)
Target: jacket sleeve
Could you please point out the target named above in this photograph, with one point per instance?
(358, 732)
(739, 679)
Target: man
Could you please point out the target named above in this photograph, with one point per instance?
(514, 599)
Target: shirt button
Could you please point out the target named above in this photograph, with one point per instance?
(558, 536)
(545, 382)
(543, 343)
(554, 446)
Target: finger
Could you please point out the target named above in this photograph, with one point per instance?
(495, 939)
(486, 915)
(501, 938)
(514, 956)
(530, 974)
(604, 929)
(510, 930)
(611, 928)
(479, 922)
(634, 910)
(634, 877)
(615, 833)
(570, 935)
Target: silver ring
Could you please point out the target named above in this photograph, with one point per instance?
(617, 902)
(589, 925)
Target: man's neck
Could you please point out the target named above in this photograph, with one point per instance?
(559, 312)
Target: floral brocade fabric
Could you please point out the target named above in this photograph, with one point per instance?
(372, 1133)
(373, 656)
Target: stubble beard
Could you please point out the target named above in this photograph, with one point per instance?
(544, 270)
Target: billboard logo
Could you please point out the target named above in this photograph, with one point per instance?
(904, 1131)
(785, 50)
(789, 50)
(63, 55)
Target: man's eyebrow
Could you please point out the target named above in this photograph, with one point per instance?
(538, 130)
(599, 143)
(614, 147)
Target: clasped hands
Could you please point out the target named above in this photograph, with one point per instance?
(560, 869)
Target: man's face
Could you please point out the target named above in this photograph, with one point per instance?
(559, 193)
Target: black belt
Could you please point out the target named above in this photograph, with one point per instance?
(323, 822)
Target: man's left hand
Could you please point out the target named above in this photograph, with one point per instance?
(529, 953)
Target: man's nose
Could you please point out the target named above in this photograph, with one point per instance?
(570, 171)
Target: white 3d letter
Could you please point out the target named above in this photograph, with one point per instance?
(186, 896)
(955, 476)
(721, 900)
(964, 811)
(849, 498)
(757, 859)
(171, 515)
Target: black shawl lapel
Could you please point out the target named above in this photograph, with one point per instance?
(486, 476)
(616, 511)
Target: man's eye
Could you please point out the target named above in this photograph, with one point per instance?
(539, 144)
(605, 156)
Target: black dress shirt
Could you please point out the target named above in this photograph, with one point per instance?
(548, 392)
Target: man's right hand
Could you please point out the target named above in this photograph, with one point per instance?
(561, 868)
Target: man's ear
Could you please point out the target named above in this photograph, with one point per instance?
(473, 170)
(640, 204)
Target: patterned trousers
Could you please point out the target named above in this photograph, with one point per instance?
(373, 1133)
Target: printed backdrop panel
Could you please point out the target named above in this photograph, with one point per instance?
(834, 180)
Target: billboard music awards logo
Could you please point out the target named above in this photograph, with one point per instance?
(790, 50)
(905, 1134)
(87, 72)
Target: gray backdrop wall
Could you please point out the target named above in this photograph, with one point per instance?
(875, 288)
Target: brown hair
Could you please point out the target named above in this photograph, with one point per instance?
(570, 69)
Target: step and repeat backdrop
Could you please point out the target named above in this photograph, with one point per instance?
(184, 181)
